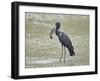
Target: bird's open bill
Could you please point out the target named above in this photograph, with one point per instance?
(51, 33)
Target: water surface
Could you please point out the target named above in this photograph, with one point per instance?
(41, 51)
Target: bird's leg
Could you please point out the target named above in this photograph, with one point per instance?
(61, 54)
(64, 54)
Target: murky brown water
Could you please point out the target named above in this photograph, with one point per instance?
(41, 51)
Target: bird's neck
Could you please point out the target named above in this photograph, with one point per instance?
(57, 31)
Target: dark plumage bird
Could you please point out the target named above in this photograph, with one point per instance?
(64, 40)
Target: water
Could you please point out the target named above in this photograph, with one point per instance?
(41, 51)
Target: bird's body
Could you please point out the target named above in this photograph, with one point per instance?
(64, 40)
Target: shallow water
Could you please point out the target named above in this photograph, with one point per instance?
(41, 51)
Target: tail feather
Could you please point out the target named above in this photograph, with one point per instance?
(72, 53)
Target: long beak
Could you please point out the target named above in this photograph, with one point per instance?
(51, 33)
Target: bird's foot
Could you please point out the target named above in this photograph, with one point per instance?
(64, 60)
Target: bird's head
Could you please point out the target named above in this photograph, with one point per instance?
(56, 28)
(57, 25)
